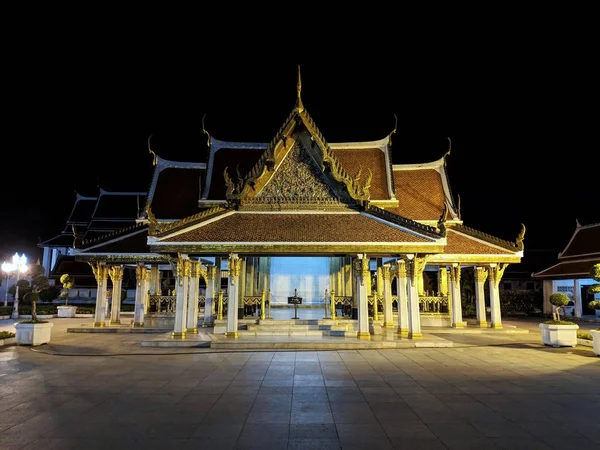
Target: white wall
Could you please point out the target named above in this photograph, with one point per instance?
(309, 275)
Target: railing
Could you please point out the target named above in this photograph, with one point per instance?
(433, 304)
(162, 304)
(201, 301)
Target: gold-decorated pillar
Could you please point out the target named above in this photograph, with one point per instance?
(388, 315)
(235, 265)
(241, 289)
(100, 273)
(363, 275)
(402, 294)
(116, 276)
(481, 275)
(457, 319)
(211, 280)
(192, 307)
(184, 269)
(495, 276)
(138, 309)
(147, 283)
(414, 268)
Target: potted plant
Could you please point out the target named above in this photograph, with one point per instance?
(34, 331)
(596, 340)
(66, 310)
(558, 332)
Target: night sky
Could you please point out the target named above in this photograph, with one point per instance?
(523, 130)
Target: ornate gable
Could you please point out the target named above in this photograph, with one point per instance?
(298, 179)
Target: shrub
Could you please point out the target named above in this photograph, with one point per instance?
(86, 310)
(127, 308)
(6, 335)
(595, 304)
(584, 335)
(521, 302)
(5, 310)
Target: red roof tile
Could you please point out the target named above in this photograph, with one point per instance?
(458, 243)
(247, 227)
(367, 158)
(420, 194)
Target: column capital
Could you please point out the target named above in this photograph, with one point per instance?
(481, 274)
(211, 272)
(455, 272)
(100, 271)
(496, 272)
(386, 272)
(234, 265)
(415, 267)
(116, 273)
(361, 268)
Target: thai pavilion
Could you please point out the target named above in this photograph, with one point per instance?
(372, 244)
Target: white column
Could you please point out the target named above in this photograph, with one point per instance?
(577, 298)
(457, 319)
(184, 268)
(241, 288)
(211, 275)
(146, 291)
(362, 285)
(116, 276)
(140, 286)
(495, 275)
(415, 267)
(100, 272)
(388, 315)
(192, 307)
(481, 275)
(234, 266)
(401, 289)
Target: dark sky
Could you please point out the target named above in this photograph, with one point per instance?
(523, 129)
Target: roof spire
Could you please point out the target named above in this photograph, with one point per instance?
(154, 155)
(299, 104)
(449, 147)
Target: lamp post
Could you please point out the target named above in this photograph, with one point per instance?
(18, 265)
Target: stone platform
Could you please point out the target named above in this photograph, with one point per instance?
(119, 329)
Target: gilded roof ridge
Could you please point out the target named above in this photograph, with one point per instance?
(404, 222)
(486, 237)
(112, 234)
(163, 228)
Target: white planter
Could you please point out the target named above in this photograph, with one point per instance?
(596, 338)
(33, 333)
(559, 335)
(66, 311)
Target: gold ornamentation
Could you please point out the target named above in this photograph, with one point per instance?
(180, 269)
(297, 180)
(165, 228)
(299, 105)
(187, 268)
(441, 224)
(481, 274)
(235, 265)
(415, 267)
(77, 241)
(100, 272)
(521, 237)
(401, 269)
(361, 266)
(151, 219)
(112, 235)
(402, 221)
(496, 273)
(154, 155)
(386, 272)
(211, 273)
(455, 273)
(194, 265)
(116, 273)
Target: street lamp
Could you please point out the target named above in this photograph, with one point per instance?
(18, 265)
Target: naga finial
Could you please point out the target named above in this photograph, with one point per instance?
(151, 218)
(458, 206)
(395, 124)
(577, 224)
(205, 132)
(521, 237)
(154, 155)
(76, 236)
(299, 104)
(441, 224)
(449, 147)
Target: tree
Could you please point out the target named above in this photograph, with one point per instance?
(24, 288)
(558, 300)
(67, 283)
(39, 282)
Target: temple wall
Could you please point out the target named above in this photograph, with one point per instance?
(309, 275)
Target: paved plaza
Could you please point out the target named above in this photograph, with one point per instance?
(487, 391)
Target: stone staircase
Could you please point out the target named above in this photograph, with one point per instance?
(300, 327)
